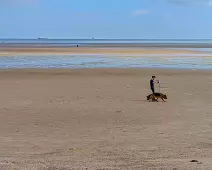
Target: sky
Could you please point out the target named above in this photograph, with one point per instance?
(141, 19)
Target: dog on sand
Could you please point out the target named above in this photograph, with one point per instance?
(156, 96)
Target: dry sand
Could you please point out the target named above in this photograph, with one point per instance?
(90, 50)
(100, 119)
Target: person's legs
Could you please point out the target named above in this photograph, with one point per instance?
(153, 90)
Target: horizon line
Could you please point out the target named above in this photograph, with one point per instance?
(147, 39)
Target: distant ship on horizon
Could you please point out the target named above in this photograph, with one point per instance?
(40, 38)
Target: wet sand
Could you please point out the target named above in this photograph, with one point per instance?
(100, 119)
(89, 50)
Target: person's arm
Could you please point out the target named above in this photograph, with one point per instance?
(156, 81)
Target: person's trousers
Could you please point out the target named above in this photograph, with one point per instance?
(153, 90)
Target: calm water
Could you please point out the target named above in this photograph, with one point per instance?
(108, 43)
(105, 61)
(97, 61)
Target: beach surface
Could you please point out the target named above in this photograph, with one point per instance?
(99, 119)
(24, 50)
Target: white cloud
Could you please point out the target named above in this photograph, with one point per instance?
(140, 12)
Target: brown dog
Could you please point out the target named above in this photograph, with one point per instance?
(156, 96)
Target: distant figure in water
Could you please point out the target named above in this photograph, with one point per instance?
(77, 46)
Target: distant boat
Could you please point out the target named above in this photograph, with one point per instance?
(43, 38)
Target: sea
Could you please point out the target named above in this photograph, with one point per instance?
(176, 61)
(174, 43)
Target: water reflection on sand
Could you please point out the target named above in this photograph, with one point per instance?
(180, 61)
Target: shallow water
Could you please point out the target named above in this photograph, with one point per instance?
(205, 50)
(169, 43)
(106, 61)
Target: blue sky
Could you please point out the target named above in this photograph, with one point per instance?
(106, 18)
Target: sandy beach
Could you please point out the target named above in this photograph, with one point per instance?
(75, 77)
(100, 119)
(24, 50)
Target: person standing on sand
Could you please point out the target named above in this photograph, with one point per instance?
(152, 84)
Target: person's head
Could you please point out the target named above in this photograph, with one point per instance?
(153, 77)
